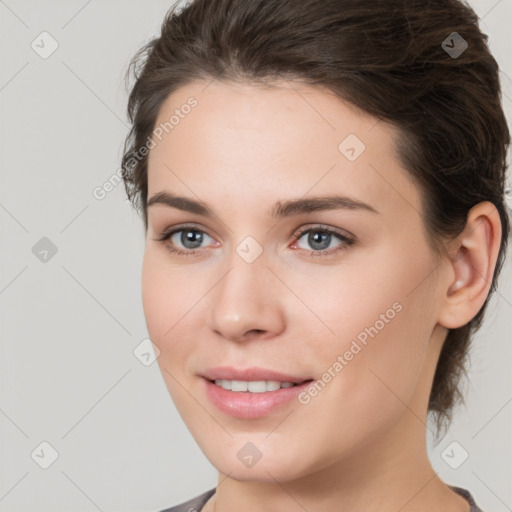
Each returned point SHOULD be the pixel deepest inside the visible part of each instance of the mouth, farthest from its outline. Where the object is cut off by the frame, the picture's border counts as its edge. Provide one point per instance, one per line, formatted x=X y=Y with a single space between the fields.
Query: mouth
x=252 y=393
x=255 y=386
x=223 y=375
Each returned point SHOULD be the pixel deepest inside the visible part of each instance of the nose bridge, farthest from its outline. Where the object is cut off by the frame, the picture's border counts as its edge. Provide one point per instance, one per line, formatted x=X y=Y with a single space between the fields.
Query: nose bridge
x=244 y=299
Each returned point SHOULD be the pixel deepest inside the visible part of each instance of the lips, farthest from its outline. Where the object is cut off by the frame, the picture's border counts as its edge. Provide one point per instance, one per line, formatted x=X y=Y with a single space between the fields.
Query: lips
x=251 y=374
x=249 y=405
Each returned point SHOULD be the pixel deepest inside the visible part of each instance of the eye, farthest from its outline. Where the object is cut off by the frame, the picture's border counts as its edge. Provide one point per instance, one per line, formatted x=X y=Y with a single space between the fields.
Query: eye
x=320 y=238
x=189 y=237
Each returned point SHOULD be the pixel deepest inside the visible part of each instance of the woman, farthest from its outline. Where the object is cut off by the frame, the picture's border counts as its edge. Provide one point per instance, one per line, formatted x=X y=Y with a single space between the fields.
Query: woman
x=322 y=190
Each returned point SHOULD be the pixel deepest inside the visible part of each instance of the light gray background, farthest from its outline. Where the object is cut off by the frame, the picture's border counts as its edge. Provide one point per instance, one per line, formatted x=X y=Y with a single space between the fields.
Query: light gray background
x=69 y=326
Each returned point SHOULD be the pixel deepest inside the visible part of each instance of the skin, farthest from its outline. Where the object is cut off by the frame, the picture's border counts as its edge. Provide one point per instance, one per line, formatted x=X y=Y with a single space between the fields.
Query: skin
x=360 y=444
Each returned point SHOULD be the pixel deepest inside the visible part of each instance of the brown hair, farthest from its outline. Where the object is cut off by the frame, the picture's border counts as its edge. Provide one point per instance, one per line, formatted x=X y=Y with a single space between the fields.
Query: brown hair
x=393 y=59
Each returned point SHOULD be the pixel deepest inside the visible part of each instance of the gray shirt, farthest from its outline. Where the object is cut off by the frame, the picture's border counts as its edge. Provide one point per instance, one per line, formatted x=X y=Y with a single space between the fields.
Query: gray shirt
x=197 y=503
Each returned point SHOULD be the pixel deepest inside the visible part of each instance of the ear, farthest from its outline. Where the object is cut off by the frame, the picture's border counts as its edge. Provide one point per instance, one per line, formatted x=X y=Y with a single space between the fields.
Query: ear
x=472 y=260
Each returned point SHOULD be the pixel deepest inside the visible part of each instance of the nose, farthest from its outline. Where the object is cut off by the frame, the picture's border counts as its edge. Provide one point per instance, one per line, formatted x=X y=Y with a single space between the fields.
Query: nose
x=245 y=304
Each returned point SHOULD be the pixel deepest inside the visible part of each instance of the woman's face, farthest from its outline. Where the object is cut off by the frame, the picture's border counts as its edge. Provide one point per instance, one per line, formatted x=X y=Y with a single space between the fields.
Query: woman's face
x=263 y=286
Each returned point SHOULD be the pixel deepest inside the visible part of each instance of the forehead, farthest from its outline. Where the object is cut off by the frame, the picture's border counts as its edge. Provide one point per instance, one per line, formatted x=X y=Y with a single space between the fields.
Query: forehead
x=265 y=143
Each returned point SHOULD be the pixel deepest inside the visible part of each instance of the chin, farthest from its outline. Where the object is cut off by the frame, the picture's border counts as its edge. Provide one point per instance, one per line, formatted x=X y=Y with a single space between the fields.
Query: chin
x=271 y=461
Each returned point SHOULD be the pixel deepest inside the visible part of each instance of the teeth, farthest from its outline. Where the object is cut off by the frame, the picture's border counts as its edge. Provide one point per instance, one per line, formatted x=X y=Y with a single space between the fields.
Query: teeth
x=256 y=386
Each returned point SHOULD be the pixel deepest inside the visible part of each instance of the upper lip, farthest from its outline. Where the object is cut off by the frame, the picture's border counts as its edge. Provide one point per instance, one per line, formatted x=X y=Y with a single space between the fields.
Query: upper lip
x=250 y=374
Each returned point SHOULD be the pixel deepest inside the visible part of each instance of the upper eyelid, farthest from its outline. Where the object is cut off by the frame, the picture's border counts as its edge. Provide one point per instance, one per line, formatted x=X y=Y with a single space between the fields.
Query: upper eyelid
x=176 y=229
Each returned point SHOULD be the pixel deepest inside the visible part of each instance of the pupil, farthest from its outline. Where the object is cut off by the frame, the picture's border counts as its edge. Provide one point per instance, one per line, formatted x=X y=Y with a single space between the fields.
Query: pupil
x=324 y=237
x=189 y=237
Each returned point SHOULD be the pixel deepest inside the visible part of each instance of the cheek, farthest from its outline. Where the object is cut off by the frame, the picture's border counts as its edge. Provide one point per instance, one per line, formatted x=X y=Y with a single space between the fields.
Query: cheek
x=167 y=290
x=171 y=302
x=164 y=306
x=375 y=320
x=152 y=291
x=163 y=297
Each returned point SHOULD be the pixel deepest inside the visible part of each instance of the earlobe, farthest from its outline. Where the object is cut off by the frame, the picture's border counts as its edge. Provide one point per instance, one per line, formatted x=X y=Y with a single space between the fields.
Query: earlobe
x=472 y=268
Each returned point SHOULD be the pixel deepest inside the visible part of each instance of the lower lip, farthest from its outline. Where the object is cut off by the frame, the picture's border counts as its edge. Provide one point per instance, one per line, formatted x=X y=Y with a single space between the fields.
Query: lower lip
x=246 y=405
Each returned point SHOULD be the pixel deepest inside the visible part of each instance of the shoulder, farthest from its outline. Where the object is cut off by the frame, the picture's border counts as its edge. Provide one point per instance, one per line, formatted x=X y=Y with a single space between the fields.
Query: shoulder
x=197 y=503
x=193 y=505
x=467 y=496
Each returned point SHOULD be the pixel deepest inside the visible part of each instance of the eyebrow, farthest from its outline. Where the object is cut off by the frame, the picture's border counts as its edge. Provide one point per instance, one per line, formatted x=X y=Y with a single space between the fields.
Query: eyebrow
x=280 y=210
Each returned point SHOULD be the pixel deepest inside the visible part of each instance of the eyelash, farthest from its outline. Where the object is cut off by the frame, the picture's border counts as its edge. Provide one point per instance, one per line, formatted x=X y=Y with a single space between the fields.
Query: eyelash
x=320 y=228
